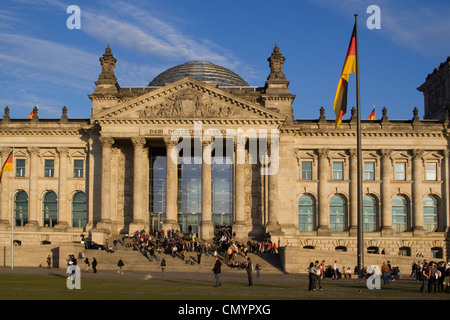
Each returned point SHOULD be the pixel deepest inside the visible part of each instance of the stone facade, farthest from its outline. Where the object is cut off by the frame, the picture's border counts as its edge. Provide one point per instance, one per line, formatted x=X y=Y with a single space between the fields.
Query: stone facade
x=99 y=168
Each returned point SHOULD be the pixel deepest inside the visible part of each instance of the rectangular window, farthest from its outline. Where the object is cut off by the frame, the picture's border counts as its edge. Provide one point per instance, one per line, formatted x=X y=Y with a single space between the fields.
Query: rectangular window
x=78 y=168
x=431 y=171
x=369 y=170
x=338 y=170
x=306 y=170
x=49 y=170
x=400 y=171
x=20 y=167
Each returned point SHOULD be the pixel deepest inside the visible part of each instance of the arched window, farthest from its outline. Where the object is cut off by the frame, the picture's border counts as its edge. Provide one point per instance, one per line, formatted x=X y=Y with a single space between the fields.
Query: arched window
x=21 y=209
x=399 y=214
x=79 y=210
x=337 y=213
x=430 y=214
x=369 y=214
x=306 y=212
x=50 y=212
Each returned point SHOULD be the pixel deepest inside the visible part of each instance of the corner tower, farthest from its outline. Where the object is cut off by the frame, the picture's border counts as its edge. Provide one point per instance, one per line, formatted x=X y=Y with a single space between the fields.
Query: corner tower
x=277 y=96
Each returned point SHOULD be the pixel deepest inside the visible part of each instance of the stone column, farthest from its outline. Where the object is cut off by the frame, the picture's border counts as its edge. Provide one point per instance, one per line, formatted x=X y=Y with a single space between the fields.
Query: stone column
x=171 y=185
x=239 y=225
x=90 y=177
x=138 y=185
x=273 y=226
x=105 y=222
x=386 y=202
x=353 y=192
x=324 y=214
x=207 y=230
x=417 y=204
x=33 y=197
x=64 y=213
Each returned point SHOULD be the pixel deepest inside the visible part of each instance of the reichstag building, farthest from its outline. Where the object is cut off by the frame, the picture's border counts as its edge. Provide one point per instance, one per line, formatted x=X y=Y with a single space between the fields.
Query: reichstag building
x=199 y=147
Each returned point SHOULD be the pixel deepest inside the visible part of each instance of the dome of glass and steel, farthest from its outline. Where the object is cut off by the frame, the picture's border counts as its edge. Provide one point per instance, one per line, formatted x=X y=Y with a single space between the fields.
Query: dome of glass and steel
x=201 y=71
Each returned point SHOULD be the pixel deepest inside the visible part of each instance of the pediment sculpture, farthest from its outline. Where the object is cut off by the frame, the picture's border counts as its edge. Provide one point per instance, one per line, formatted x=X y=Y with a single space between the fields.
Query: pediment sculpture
x=189 y=103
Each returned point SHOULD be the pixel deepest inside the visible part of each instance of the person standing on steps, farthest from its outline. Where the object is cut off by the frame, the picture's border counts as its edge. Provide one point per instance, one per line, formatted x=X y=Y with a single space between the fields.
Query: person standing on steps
x=94 y=265
x=249 y=269
x=258 y=268
x=217 y=270
x=120 y=264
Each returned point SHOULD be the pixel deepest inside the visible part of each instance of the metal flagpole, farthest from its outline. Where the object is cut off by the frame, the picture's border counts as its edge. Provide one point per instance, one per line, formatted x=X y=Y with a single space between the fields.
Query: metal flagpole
x=12 y=213
x=360 y=160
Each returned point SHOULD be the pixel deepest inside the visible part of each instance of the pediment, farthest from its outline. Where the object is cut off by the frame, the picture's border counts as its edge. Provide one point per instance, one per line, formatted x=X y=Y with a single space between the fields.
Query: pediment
x=187 y=99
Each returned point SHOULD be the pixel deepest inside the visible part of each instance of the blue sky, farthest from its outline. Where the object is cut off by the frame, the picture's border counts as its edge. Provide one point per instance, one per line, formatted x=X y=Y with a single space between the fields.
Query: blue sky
x=44 y=63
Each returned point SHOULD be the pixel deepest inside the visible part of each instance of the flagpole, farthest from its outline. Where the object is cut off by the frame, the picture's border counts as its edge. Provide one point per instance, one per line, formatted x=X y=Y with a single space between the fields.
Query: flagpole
x=12 y=214
x=360 y=239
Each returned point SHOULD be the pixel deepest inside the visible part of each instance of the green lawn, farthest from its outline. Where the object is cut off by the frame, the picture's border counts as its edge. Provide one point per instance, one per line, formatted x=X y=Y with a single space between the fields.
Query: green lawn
x=108 y=285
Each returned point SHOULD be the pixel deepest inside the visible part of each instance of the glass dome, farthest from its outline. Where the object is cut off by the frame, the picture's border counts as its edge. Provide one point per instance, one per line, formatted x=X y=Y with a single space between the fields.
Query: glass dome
x=201 y=71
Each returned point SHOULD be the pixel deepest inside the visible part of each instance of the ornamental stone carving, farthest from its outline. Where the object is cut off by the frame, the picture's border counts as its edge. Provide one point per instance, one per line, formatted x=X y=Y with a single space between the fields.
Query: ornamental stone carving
x=138 y=141
x=189 y=103
x=106 y=141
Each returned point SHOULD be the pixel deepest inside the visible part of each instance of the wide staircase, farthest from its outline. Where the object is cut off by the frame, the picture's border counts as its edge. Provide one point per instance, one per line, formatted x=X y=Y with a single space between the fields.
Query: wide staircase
x=135 y=260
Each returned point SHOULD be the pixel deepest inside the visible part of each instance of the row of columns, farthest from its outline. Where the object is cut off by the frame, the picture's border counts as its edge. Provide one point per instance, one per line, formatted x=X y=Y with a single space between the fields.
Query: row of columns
x=171 y=222
x=385 y=191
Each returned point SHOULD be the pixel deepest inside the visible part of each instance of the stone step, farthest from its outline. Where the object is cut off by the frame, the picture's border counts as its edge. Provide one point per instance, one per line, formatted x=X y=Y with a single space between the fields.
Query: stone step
x=135 y=260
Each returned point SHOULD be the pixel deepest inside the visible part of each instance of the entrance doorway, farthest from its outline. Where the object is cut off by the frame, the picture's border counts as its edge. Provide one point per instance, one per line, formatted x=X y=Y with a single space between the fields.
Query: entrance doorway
x=189 y=219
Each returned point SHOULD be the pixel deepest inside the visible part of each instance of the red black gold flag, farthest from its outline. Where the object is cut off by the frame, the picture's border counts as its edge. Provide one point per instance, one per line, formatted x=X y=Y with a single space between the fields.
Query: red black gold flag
x=372 y=115
x=340 y=100
x=7 y=166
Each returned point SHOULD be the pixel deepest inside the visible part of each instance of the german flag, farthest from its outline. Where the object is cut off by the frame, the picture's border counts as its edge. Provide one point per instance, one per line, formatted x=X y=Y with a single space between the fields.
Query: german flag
x=7 y=166
x=32 y=113
x=372 y=115
x=340 y=100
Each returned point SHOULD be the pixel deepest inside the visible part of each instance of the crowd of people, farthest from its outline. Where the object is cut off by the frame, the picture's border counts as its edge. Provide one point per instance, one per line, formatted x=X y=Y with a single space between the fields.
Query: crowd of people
x=317 y=272
x=189 y=248
x=170 y=242
x=434 y=275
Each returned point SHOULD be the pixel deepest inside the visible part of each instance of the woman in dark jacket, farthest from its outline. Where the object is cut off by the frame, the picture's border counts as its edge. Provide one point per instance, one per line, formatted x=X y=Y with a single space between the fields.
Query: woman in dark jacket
x=311 y=277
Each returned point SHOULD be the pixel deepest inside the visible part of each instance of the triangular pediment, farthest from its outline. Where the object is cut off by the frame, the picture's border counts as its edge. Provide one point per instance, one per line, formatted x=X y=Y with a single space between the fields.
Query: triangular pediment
x=187 y=99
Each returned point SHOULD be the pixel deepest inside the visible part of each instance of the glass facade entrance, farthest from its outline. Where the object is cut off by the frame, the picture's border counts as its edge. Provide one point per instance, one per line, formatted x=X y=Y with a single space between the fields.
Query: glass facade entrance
x=222 y=192
x=190 y=192
x=157 y=190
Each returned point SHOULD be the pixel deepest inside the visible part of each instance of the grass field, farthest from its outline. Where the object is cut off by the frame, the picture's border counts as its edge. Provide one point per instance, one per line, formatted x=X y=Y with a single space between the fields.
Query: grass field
x=44 y=284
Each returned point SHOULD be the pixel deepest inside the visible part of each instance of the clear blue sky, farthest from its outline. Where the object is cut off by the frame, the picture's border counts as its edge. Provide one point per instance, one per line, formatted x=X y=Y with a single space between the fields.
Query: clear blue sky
x=44 y=63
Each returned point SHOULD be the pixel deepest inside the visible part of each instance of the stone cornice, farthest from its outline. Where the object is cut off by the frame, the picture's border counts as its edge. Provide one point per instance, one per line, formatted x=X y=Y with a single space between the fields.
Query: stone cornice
x=323 y=133
x=25 y=132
